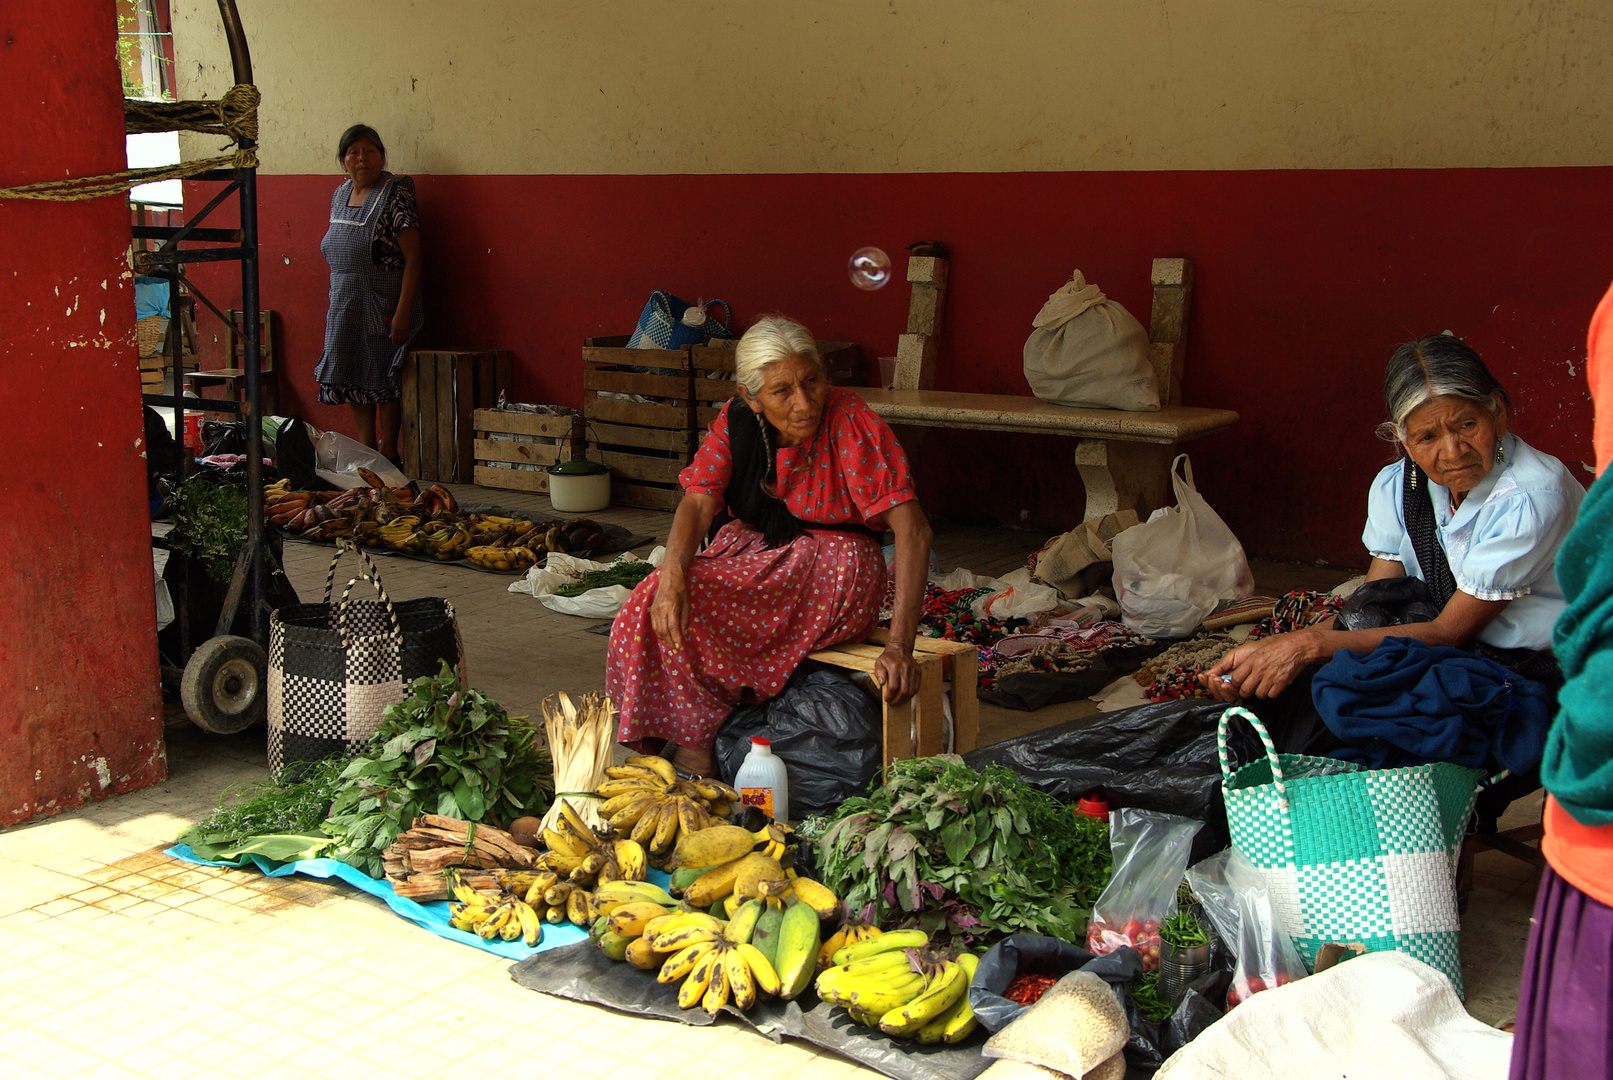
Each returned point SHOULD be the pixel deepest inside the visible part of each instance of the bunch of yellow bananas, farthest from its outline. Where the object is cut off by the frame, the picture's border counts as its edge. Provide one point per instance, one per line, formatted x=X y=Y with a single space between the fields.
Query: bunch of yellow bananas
x=504 y=559
x=645 y=799
x=849 y=934
x=922 y=995
x=490 y=916
x=583 y=858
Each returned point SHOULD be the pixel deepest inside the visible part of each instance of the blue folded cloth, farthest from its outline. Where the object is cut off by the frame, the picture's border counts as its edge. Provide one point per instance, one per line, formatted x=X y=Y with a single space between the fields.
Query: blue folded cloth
x=1406 y=703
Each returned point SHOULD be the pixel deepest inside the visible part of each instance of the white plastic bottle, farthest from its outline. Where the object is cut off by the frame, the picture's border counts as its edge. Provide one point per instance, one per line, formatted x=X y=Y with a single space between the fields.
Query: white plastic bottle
x=762 y=781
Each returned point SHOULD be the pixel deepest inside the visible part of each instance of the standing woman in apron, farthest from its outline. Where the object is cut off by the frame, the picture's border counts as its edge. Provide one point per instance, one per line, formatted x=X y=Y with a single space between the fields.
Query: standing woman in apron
x=373 y=248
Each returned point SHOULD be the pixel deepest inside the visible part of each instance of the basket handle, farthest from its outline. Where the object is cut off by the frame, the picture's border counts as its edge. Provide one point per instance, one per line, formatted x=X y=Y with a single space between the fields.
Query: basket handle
x=1224 y=752
x=727 y=313
x=342 y=548
x=341 y=612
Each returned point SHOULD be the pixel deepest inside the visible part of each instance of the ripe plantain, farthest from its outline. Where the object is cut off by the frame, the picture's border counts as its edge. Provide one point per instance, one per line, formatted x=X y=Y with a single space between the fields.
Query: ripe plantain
x=715 y=846
x=741 y=983
x=761 y=969
x=682 y=962
x=717 y=991
x=699 y=978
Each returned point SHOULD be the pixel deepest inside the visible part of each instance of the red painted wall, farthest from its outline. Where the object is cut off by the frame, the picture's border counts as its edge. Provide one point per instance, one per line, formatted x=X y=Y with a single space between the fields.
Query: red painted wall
x=1306 y=281
x=80 y=707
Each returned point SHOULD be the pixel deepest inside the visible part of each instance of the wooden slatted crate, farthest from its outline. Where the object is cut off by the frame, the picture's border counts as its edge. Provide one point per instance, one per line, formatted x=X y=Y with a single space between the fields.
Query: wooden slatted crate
x=917 y=729
x=537 y=440
x=441 y=389
x=646 y=444
x=713 y=367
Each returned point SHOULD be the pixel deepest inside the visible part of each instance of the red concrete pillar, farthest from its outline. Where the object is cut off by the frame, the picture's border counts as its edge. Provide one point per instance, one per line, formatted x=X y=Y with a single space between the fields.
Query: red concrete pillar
x=80 y=705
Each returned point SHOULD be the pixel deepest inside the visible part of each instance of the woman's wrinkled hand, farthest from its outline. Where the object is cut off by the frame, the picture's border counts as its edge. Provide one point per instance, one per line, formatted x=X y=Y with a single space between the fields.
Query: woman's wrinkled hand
x=1262 y=669
x=669 y=612
x=897 y=674
x=399 y=331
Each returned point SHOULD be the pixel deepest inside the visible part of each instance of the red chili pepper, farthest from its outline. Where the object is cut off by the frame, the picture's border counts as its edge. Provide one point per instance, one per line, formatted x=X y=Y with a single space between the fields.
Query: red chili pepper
x=1026 y=989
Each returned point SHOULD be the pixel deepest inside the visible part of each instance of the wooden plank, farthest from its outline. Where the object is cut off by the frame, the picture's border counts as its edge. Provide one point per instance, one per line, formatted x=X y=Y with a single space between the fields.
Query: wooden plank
x=523 y=453
x=511 y=479
x=447 y=450
x=840 y=359
x=655 y=358
x=409 y=425
x=715 y=389
x=965 y=700
x=711 y=358
x=464 y=378
x=533 y=424
x=630 y=494
x=486 y=381
x=614 y=410
x=703 y=418
x=610 y=341
x=1014 y=412
x=898 y=734
x=629 y=382
x=650 y=438
x=633 y=467
x=932 y=719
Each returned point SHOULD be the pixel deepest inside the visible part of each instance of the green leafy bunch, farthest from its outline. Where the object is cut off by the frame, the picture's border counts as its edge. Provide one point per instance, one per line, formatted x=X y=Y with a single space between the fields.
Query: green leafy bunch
x=292 y=804
x=209 y=524
x=974 y=855
x=447 y=749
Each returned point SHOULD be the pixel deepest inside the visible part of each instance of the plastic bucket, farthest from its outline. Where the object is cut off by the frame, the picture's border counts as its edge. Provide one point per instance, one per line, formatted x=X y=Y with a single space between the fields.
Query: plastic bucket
x=579 y=487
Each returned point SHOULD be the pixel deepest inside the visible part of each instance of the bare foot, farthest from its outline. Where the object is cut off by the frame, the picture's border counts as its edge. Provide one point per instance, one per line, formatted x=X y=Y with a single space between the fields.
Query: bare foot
x=698 y=762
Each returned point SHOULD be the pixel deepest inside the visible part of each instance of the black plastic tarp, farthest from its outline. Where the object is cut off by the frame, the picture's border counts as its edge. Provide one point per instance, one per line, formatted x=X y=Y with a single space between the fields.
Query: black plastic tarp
x=1154 y=757
x=583 y=973
x=826 y=730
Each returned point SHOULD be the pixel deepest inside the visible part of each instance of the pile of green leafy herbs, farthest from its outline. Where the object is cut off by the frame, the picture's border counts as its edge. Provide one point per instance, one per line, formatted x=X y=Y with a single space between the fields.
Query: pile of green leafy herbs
x=623 y=570
x=209 y=524
x=279 y=817
x=447 y=749
x=974 y=856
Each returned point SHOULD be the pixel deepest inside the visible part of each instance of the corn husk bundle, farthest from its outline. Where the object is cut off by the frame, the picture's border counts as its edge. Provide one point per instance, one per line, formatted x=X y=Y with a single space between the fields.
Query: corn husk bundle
x=581 y=739
x=415 y=862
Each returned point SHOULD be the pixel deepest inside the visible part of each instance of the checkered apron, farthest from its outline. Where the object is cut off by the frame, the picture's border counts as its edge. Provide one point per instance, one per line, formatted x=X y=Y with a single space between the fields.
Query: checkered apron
x=1358 y=855
x=334 y=669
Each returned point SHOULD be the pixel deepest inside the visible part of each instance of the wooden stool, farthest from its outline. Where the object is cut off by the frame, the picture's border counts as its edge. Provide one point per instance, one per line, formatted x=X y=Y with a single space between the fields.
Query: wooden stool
x=916 y=729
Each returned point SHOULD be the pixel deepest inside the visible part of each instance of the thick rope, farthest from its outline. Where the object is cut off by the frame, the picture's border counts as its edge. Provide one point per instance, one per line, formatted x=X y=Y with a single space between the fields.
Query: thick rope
x=235 y=115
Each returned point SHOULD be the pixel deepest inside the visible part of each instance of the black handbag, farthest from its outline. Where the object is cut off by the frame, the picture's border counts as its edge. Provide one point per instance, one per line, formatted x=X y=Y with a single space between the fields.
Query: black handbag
x=335 y=668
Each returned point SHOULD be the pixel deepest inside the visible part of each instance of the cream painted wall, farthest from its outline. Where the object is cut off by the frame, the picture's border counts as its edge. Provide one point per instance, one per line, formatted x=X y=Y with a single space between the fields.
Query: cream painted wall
x=702 y=86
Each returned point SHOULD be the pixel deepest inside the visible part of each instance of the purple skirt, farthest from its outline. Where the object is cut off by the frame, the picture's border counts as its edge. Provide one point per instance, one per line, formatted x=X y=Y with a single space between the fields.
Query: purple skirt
x=1565 y=1003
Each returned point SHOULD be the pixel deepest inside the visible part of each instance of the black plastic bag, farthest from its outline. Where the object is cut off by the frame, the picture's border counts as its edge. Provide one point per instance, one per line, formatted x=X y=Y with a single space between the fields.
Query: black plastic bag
x=223 y=437
x=1160 y=756
x=294 y=456
x=1153 y=1041
x=1032 y=954
x=582 y=973
x=1393 y=601
x=826 y=730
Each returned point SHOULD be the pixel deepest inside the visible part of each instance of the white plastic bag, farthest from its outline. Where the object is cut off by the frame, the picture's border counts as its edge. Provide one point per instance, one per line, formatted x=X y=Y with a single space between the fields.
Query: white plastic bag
x=337 y=460
x=1016 y=597
x=561 y=569
x=1173 y=569
x=1088 y=351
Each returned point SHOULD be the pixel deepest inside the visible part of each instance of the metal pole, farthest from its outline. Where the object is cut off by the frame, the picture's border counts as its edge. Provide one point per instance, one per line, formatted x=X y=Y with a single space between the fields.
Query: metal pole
x=241 y=60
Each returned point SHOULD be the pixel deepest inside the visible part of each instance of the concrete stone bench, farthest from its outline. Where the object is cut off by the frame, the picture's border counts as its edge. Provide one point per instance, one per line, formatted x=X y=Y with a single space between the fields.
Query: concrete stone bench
x=1124 y=457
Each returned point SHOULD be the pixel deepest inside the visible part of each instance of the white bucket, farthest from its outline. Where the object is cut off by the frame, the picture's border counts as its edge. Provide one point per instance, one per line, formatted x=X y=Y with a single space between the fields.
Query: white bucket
x=573 y=490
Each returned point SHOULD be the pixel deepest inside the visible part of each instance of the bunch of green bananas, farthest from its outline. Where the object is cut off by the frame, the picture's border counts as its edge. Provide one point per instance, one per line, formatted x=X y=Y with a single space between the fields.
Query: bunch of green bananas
x=907 y=995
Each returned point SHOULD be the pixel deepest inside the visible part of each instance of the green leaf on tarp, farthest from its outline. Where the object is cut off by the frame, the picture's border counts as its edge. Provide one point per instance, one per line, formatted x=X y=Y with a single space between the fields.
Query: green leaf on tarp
x=281 y=847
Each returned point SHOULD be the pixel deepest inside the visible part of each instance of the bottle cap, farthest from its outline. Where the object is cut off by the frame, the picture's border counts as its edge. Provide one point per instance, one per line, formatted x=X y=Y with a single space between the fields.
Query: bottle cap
x=1095 y=807
x=759 y=740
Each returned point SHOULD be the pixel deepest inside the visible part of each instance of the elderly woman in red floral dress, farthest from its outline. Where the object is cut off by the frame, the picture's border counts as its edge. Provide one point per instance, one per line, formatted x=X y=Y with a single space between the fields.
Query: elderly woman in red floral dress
x=803 y=478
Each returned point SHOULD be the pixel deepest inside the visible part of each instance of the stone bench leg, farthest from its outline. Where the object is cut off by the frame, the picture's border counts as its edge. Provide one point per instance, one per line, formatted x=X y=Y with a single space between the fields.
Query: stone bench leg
x=1124 y=476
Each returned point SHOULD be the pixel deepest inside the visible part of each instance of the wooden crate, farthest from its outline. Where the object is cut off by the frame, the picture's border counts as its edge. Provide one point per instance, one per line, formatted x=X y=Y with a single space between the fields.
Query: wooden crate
x=495 y=456
x=441 y=389
x=646 y=444
x=917 y=729
x=714 y=384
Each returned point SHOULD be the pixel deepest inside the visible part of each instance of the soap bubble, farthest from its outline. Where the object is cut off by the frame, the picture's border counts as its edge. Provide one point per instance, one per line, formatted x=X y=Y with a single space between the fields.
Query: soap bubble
x=870 y=268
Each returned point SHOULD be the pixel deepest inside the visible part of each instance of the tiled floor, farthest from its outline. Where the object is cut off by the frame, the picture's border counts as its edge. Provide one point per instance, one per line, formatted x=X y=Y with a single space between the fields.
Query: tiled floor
x=120 y=962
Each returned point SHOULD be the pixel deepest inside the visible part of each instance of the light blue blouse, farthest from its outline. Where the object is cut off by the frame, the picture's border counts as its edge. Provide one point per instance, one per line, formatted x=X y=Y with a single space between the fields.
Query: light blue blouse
x=1501 y=542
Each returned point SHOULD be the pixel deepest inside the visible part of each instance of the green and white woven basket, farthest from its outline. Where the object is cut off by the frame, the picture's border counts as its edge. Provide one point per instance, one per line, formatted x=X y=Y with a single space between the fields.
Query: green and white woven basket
x=1360 y=855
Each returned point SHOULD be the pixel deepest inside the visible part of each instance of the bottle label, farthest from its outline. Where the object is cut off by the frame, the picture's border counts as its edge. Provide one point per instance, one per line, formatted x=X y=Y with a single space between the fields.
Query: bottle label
x=759 y=797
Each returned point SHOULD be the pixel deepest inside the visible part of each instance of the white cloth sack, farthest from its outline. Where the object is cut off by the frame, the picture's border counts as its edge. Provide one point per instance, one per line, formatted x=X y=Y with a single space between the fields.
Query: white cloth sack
x=1088 y=351
x=337 y=460
x=560 y=570
x=1173 y=569
x=1384 y=1015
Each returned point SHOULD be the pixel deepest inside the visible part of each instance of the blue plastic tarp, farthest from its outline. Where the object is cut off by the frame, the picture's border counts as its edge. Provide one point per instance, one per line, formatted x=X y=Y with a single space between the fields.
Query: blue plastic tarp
x=432 y=915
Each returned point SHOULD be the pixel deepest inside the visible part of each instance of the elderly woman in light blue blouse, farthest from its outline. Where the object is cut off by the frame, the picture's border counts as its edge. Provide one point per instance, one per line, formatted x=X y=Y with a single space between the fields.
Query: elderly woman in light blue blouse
x=1472 y=510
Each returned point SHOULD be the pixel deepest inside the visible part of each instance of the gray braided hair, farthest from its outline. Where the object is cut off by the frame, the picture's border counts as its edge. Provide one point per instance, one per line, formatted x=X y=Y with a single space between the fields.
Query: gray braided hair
x=1438 y=366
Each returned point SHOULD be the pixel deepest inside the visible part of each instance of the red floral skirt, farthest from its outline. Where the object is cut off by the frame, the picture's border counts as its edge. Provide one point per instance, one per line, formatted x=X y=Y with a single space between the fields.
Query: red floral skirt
x=754 y=615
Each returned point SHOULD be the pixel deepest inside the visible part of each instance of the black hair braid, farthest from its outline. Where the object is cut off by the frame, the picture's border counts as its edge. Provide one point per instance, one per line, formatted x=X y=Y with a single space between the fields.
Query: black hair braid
x=768 y=483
